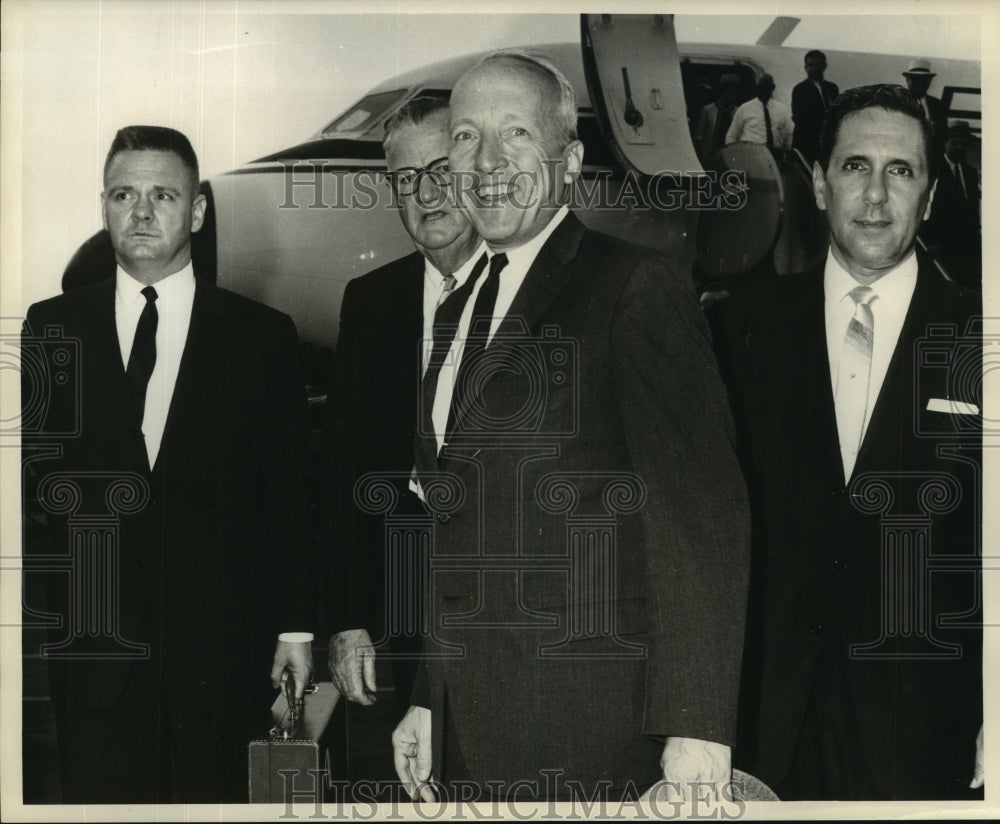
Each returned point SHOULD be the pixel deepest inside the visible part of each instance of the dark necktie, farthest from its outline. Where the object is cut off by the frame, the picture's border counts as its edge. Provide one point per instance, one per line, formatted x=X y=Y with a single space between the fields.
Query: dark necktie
x=142 y=358
x=446 y=319
x=475 y=342
x=767 y=126
x=722 y=123
x=961 y=180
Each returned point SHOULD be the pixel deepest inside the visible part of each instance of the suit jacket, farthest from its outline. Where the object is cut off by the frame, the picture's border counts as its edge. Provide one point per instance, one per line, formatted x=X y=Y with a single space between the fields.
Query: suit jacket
x=372 y=410
x=589 y=560
x=954 y=224
x=808 y=112
x=822 y=591
x=707 y=124
x=208 y=549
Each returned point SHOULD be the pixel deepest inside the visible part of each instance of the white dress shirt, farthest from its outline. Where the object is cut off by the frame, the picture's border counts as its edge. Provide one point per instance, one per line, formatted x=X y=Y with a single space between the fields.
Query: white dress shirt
x=175 y=297
x=434 y=294
x=519 y=261
x=894 y=291
x=748 y=124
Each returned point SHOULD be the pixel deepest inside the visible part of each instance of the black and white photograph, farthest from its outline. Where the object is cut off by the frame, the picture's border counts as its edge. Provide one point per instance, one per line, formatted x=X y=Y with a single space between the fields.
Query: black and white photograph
x=526 y=410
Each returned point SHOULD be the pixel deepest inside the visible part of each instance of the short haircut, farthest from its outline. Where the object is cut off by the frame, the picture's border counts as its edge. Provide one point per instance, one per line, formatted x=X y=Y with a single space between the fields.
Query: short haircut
x=412 y=113
x=887 y=96
x=155 y=139
x=814 y=53
x=565 y=113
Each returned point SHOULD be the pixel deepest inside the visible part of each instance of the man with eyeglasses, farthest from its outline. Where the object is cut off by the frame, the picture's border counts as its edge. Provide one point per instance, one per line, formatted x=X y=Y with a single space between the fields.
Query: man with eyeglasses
x=385 y=316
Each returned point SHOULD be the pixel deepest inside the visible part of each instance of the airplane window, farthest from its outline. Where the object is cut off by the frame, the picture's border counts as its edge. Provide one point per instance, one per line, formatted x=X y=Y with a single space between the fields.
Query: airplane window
x=363 y=114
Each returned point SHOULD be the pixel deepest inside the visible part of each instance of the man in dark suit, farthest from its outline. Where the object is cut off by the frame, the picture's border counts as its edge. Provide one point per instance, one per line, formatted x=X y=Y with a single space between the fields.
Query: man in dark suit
x=810 y=100
x=714 y=118
x=171 y=476
x=953 y=231
x=918 y=80
x=856 y=390
x=385 y=315
x=588 y=599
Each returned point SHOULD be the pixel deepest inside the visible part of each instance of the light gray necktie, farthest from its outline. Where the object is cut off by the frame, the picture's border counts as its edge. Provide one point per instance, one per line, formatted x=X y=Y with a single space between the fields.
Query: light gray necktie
x=448 y=283
x=447 y=286
x=851 y=399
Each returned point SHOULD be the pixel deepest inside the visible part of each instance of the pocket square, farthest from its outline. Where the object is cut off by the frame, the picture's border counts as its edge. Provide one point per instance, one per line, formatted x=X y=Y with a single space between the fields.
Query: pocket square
x=950 y=407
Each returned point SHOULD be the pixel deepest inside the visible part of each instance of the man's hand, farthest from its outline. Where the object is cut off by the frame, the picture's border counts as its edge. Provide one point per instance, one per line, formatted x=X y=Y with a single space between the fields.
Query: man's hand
x=352 y=665
x=411 y=753
x=292 y=659
x=979 y=776
x=695 y=768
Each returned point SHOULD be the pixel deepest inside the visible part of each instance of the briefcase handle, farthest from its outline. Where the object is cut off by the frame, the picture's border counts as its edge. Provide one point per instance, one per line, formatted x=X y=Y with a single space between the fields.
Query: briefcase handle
x=288 y=727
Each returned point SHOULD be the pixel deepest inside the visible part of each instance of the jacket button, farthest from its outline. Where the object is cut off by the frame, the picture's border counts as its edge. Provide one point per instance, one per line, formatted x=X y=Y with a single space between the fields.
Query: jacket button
x=140 y=566
x=839 y=492
x=443 y=517
x=816 y=629
x=840 y=563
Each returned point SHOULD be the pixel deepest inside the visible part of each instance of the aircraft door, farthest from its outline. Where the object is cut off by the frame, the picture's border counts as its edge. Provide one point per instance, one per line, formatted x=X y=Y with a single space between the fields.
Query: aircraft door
x=634 y=79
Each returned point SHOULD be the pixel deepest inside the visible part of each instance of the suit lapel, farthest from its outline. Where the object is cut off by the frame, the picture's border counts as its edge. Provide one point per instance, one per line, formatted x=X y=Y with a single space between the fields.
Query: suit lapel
x=894 y=405
x=410 y=305
x=104 y=374
x=201 y=353
x=819 y=395
x=546 y=277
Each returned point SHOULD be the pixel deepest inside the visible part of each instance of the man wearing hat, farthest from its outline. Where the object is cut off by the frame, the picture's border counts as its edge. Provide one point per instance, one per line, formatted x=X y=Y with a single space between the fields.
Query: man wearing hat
x=763 y=120
x=953 y=228
x=918 y=81
x=715 y=118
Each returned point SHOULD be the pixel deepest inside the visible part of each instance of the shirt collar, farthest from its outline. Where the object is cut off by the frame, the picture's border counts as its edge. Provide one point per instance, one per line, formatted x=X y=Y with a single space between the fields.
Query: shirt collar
x=128 y=289
x=524 y=255
x=838 y=282
x=460 y=274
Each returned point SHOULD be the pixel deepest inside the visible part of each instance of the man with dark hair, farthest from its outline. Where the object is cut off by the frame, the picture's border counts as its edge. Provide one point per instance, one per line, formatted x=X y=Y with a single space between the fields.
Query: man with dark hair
x=378 y=363
x=860 y=441
x=172 y=480
x=587 y=604
x=763 y=119
x=810 y=100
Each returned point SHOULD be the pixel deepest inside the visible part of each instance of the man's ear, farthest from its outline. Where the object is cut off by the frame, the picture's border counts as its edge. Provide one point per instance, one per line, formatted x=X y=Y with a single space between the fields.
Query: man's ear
x=819 y=185
x=198 y=212
x=930 y=200
x=572 y=161
x=104 y=216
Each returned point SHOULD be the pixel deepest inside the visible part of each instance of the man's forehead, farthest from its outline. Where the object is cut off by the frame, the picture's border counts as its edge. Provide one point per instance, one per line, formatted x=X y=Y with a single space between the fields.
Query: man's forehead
x=499 y=72
x=144 y=162
x=875 y=132
x=415 y=144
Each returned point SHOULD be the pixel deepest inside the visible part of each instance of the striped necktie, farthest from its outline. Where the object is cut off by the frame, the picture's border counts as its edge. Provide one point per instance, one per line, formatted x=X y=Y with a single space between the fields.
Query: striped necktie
x=446 y=319
x=851 y=399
